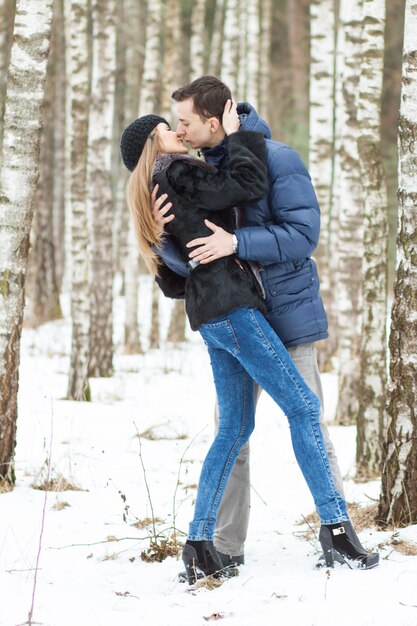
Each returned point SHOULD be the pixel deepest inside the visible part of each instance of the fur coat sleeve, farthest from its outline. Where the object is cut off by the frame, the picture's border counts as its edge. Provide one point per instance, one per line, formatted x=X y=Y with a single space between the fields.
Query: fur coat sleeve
x=171 y=284
x=211 y=189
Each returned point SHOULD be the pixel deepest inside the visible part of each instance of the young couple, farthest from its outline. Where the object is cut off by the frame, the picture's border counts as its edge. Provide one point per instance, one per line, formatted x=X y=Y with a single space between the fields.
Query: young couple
x=233 y=235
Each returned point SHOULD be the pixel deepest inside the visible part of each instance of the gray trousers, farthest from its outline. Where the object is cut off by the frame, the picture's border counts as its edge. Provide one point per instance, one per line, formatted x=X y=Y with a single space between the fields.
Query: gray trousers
x=233 y=516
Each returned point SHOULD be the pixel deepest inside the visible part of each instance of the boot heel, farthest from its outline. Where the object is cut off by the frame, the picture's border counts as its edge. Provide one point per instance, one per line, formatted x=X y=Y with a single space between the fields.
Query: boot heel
x=341 y=543
x=190 y=560
x=328 y=556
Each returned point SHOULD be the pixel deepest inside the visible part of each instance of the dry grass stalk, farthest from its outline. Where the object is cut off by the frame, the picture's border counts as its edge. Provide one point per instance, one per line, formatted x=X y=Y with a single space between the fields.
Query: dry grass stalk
x=56 y=483
x=58 y=506
x=408 y=548
x=209 y=582
x=152 y=434
x=147 y=521
x=159 y=551
x=110 y=557
x=362 y=518
x=5 y=486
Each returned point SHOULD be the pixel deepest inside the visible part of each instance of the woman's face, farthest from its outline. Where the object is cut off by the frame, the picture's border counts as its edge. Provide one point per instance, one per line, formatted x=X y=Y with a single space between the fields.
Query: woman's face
x=169 y=142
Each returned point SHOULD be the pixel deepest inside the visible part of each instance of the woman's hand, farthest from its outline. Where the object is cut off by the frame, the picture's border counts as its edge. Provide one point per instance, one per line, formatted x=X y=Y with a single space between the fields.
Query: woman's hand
x=159 y=208
x=230 y=119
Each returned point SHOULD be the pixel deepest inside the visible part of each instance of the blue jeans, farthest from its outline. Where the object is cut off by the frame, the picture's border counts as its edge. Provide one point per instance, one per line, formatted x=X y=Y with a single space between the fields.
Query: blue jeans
x=243 y=347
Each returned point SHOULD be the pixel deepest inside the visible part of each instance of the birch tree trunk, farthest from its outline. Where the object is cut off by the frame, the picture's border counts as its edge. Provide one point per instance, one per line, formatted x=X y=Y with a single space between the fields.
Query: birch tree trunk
x=216 y=47
x=230 y=53
x=373 y=354
x=265 y=57
x=42 y=294
x=330 y=347
x=60 y=141
x=171 y=76
x=119 y=118
x=150 y=103
x=154 y=334
x=298 y=37
x=176 y=330
x=197 y=41
x=251 y=53
x=398 y=501
x=321 y=145
x=18 y=177
x=129 y=255
x=7 y=12
x=150 y=92
x=132 y=342
x=278 y=93
x=350 y=240
x=172 y=60
x=100 y=199
x=79 y=80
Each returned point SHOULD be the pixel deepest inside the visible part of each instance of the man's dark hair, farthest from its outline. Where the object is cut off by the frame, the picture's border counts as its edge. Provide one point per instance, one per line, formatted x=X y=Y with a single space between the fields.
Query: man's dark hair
x=209 y=95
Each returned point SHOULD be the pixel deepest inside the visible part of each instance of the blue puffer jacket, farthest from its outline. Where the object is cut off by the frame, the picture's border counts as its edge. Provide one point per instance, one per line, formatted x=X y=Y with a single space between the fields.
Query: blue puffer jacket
x=281 y=232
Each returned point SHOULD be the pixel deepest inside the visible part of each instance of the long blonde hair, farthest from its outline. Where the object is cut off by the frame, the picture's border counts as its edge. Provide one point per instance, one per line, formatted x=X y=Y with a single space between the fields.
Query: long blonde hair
x=138 y=194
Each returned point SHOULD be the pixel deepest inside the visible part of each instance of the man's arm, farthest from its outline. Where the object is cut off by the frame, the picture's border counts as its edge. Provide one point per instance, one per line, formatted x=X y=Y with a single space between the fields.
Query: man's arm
x=294 y=209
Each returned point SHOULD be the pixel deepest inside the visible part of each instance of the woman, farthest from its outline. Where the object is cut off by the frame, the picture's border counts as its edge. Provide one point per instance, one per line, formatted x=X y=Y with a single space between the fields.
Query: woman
x=224 y=302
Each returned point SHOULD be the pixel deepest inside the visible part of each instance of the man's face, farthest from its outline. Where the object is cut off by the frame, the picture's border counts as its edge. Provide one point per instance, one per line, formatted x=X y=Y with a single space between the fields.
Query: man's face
x=193 y=129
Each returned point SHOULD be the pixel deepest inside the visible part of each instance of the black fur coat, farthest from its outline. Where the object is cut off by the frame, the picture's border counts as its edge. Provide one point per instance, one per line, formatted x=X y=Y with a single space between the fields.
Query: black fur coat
x=198 y=191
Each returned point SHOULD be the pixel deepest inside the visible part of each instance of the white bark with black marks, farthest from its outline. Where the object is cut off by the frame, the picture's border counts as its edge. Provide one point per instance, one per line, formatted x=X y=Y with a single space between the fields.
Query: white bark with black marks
x=398 y=503
x=373 y=352
x=79 y=268
x=18 y=178
x=350 y=221
x=100 y=201
x=321 y=146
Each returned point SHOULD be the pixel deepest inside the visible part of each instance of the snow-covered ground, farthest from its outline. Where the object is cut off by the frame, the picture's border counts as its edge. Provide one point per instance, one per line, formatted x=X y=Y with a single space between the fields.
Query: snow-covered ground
x=90 y=571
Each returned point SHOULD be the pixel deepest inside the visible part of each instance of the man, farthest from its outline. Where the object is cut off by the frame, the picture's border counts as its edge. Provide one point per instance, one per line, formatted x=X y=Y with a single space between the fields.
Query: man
x=277 y=234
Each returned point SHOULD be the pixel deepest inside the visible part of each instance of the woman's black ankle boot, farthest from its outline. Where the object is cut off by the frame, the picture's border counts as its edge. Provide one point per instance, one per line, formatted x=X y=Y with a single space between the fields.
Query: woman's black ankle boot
x=201 y=555
x=340 y=540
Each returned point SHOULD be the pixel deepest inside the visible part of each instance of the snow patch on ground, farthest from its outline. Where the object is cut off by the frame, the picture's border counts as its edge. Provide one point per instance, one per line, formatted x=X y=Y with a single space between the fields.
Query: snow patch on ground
x=90 y=567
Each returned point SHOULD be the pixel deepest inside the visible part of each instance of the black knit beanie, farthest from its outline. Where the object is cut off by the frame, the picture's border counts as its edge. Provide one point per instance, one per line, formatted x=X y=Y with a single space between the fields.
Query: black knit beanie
x=134 y=138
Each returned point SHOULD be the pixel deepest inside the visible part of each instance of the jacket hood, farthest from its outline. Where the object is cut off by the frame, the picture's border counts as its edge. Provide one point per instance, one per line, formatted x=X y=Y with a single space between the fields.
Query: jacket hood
x=250 y=120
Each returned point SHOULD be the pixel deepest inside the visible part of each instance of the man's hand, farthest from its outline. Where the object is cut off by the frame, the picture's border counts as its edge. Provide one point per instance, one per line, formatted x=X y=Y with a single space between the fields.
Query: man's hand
x=213 y=247
x=160 y=209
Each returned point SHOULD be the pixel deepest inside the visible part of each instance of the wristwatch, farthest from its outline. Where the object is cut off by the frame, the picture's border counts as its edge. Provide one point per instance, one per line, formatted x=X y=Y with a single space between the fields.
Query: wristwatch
x=235 y=244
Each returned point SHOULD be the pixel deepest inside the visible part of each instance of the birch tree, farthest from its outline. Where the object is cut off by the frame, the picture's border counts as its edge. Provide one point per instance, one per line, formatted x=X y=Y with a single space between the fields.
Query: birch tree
x=7 y=11
x=265 y=14
x=230 y=47
x=172 y=58
x=322 y=65
x=277 y=82
x=100 y=199
x=177 y=324
x=298 y=35
x=398 y=501
x=251 y=53
x=60 y=143
x=150 y=103
x=78 y=46
x=154 y=334
x=216 y=48
x=350 y=227
x=373 y=354
x=18 y=176
x=197 y=40
x=128 y=249
x=42 y=293
x=150 y=91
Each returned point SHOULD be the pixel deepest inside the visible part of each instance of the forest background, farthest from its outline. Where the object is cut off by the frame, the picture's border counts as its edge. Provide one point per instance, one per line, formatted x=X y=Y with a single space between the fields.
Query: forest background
x=325 y=75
